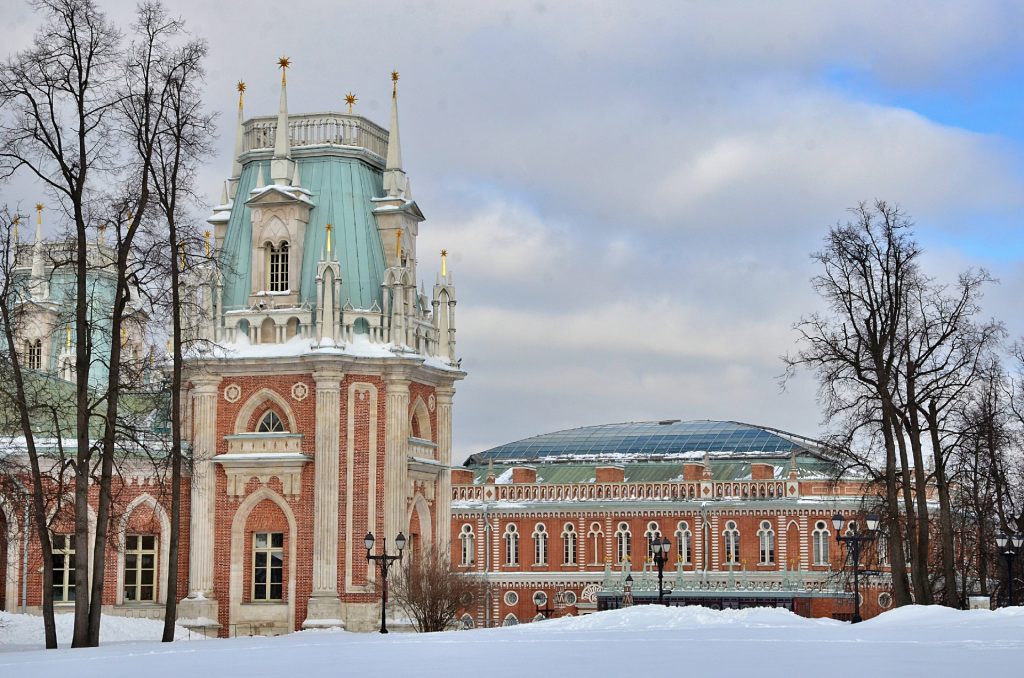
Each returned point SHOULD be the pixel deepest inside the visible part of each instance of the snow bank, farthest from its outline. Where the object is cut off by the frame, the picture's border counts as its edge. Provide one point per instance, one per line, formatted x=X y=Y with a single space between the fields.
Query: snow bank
x=25 y=631
x=655 y=618
x=767 y=643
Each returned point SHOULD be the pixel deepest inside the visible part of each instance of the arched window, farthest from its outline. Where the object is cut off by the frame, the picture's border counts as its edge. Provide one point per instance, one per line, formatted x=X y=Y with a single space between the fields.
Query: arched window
x=468 y=622
x=468 y=544
x=882 y=549
x=684 y=543
x=540 y=544
x=766 y=537
x=653 y=532
x=623 y=542
x=820 y=541
x=511 y=545
x=277 y=267
x=510 y=620
x=569 y=544
x=595 y=536
x=34 y=354
x=271 y=423
x=732 y=543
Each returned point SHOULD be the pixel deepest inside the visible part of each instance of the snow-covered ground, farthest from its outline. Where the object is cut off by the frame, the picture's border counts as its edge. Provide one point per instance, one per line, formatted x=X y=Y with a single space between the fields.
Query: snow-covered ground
x=667 y=642
x=25 y=631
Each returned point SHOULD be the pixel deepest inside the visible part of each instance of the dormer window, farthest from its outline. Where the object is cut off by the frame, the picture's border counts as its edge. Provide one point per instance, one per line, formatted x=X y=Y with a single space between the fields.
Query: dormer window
x=277 y=267
x=271 y=423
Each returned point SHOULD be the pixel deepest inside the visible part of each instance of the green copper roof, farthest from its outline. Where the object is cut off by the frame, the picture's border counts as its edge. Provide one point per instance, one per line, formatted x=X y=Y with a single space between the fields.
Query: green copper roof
x=341 y=190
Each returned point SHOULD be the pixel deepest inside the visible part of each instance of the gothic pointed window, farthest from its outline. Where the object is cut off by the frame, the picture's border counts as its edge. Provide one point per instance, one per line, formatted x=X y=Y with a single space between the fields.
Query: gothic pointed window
x=468 y=544
x=596 y=537
x=271 y=423
x=511 y=545
x=569 y=544
x=684 y=542
x=766 y=537
x=732 y=543
x=540 y=544
x=820 y=539
x=623 y=542
x=277 y=267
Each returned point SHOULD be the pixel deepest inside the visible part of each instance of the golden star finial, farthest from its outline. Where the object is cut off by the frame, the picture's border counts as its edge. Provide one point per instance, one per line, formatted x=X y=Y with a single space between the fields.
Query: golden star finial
x=444 y=253
x=394 y=82
x=284 y=62
x=240 y=86
x=39 y=207
x=351 y=100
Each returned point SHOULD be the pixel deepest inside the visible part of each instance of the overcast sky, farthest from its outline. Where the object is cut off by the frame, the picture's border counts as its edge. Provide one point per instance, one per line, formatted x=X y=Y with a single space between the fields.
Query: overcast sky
x=630 y=192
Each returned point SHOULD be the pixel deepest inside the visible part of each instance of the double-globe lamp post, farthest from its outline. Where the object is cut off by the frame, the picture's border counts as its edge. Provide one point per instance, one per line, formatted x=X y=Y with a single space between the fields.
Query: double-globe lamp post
x=1010 y=545
x=384 y=561
x=660 y=546
x=854 y=541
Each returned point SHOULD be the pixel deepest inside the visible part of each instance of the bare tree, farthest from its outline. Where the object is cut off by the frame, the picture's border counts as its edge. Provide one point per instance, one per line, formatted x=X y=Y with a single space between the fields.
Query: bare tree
x=431 y=592
x=867 y=265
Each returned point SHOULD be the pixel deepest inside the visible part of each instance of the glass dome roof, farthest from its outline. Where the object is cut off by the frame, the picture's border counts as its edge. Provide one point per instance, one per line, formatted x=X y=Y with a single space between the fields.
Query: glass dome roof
x=670 y=439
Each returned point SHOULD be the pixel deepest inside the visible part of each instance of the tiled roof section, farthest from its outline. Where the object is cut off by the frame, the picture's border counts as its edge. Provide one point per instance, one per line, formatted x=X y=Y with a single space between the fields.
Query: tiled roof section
x=651 y=440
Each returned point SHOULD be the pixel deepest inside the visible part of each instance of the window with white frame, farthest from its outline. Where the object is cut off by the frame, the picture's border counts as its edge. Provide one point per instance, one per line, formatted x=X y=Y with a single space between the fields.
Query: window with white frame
x=140 y=568
x=511 y=545
x=732 y=543
x=277 y=267
x=766 y=538
x=268 y=566
x=468 y=544
x=820 y=541
x=34 y=354
x=63 y=568
x=684 y=543
x=653 y=532
x=595 y=536
x=569 y=544
x=510 y=620
x=882 y=549
x=271 y=423
x=540 y=544
x=623 y=542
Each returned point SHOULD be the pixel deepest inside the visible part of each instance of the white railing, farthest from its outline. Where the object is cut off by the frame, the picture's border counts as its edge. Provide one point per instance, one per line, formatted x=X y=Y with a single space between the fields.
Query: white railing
x=317 y=129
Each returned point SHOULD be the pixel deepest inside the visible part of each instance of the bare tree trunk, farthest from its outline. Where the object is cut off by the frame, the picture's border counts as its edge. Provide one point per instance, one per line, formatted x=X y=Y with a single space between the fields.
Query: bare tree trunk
x=946 y=536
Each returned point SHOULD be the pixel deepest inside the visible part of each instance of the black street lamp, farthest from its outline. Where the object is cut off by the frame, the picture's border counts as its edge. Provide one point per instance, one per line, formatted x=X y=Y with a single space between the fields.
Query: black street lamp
x=1010 y=545
x=853 y=543
x=540 y=601
x=385 y=562
x=660 y=548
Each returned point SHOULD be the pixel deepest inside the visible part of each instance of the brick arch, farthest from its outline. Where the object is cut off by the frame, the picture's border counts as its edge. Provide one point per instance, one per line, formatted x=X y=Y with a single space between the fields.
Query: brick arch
x=133 y=515
x=239 y=538
x=420 y=523
x=258 y=404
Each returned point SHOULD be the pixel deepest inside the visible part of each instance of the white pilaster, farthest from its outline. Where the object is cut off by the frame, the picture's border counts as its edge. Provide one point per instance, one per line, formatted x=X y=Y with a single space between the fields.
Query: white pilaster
x=324 y=605
x=200 y=603
x=396 y=435
x=443 y=495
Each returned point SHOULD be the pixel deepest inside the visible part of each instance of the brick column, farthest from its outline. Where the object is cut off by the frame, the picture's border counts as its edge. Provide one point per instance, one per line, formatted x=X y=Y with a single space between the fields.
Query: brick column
x=324 y=605
x=443 y=496
x=200 y=605
x=396 y=435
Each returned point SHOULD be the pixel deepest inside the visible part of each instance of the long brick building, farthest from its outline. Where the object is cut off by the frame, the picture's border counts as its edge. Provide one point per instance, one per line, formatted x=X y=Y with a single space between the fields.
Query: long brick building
x=570 y=515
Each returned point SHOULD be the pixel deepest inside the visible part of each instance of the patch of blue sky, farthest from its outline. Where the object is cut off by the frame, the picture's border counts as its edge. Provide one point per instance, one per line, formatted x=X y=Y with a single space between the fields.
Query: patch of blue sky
x=990 y=102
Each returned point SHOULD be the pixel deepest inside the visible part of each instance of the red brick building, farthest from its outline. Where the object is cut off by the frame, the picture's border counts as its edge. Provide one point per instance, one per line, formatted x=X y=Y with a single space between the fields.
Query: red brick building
x=571 y=514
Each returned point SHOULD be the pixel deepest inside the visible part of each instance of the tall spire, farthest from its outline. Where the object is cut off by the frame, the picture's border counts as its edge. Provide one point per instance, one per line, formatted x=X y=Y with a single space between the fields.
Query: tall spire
x=38 y=285
x=236 y=166
x=396 y=184
x=282 y=166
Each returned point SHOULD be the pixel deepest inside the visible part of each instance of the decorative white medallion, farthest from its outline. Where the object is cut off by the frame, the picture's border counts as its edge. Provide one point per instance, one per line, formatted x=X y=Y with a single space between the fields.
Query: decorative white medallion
x=300 y=390
x=431 y=402
x=232 y=393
